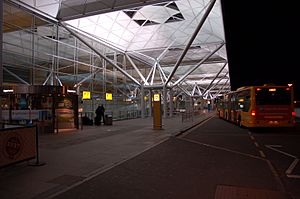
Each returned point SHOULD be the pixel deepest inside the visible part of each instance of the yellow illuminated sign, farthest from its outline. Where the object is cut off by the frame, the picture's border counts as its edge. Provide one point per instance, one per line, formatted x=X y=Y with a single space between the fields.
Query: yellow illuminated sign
x=86 y=95
x=156 y=97
x=108 y=96
x=272 y=89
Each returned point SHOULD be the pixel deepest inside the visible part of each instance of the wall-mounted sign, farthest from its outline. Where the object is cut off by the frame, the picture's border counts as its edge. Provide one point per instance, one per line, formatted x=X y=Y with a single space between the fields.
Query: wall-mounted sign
x=86 y=95
x=156 y=97
x=108 y=96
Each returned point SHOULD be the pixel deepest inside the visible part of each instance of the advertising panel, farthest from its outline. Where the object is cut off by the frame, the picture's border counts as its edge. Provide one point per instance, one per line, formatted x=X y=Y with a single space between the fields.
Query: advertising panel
x=17 y=144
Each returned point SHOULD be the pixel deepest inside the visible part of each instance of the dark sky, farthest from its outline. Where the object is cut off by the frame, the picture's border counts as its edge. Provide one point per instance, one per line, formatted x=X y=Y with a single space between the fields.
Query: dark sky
x=263 y=41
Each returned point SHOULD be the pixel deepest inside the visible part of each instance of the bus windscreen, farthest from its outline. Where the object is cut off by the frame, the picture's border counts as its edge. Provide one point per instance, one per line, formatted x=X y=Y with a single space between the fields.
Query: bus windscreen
x=273 y=96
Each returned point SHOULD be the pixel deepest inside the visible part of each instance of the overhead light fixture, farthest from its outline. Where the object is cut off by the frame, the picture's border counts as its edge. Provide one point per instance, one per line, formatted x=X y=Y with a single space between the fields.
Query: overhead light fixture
x=71 y=91
x=8 y=90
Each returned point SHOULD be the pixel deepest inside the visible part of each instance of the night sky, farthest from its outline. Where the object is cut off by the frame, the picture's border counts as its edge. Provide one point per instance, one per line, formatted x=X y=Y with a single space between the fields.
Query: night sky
x=263 y=41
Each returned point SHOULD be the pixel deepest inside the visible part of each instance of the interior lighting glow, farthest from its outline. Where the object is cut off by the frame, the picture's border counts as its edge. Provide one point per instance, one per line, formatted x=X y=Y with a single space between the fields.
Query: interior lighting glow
x=253 y=112
x=71 y=91
x=8 y=90
x=258 y=89
x=108 y=96
x=86 y=95
x=272 y=89
x=156 y=97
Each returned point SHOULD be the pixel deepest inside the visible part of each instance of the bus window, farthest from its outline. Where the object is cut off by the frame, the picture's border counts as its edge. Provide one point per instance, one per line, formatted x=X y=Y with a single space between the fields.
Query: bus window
x=244 y=100
x=275 y=96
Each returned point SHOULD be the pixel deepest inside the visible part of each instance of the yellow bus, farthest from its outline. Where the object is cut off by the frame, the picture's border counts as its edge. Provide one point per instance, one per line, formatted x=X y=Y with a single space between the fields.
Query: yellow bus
x=259 y=106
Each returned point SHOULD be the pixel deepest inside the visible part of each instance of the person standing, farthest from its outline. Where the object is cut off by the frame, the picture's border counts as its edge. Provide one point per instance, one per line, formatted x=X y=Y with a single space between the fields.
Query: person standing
x=99 y=115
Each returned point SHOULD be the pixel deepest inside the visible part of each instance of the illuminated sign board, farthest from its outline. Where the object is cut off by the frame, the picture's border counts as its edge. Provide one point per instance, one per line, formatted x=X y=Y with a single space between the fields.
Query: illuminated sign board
x=86 y=95
x=156 y=97
x=108 y=96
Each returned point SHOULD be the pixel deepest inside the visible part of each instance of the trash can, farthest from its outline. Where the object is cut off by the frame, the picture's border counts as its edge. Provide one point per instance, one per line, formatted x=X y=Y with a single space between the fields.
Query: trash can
x=108 y=120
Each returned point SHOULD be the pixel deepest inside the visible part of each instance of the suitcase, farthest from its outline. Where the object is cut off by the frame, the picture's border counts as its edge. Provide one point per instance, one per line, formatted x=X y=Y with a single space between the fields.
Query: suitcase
x=108 y=120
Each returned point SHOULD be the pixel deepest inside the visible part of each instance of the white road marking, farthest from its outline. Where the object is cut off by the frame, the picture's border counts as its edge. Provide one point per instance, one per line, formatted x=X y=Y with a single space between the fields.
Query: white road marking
x=277 y=178
x=273 y=147
x=292 y=166
x=221 y=148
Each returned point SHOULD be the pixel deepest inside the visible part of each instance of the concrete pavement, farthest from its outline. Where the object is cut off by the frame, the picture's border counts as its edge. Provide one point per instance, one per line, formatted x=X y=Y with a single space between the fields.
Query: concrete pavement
x=72 y=157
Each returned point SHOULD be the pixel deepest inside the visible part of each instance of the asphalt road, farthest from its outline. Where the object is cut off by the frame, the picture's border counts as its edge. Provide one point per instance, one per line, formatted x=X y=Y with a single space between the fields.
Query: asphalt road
x=282 y=147
x=197 y=164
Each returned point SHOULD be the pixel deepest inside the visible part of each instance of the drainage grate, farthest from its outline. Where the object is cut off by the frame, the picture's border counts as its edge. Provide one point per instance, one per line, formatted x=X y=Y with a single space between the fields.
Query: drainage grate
x=231 y=192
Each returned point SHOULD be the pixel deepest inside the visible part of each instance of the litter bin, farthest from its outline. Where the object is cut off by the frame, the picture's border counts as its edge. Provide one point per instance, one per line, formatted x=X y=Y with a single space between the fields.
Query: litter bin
x=108 y=120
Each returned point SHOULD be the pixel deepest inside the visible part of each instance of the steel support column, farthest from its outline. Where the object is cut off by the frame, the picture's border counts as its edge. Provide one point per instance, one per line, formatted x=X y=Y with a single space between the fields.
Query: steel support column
x=208 y=87
x=142 y=102
x=136 y=69
x=171 y=105
x=211 y=5
x=150 y=103
x=201 y=62
x=165 y=101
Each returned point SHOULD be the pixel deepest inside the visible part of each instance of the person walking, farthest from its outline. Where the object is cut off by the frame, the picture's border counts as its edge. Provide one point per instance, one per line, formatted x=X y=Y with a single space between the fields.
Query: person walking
x=99 y=115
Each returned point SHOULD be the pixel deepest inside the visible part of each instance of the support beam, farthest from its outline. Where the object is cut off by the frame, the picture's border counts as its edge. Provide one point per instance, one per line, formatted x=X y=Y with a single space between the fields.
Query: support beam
x=47 y=79
x=171 y=103
x=136 y=69
x=214 y=78
x=20 y=4
x=150 y=103
x=165 y=51
x=59 y=82
x=16 y=76
x=100 y=54
x=221 y=89
x=153 y=73
x=165 y=101
x=211 y=5
x=142 y=102
x=162 y=72
x=217 y=82
x=201 y=62
x=86 y=78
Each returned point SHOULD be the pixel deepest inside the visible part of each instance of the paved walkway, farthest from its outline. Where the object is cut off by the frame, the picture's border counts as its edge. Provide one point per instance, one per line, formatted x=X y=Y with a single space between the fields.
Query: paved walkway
x=71 y=157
